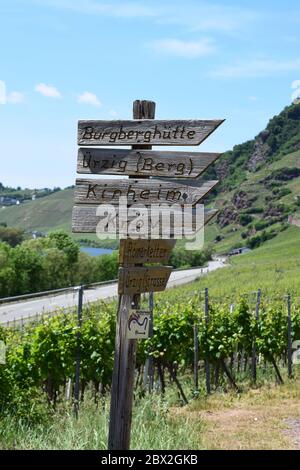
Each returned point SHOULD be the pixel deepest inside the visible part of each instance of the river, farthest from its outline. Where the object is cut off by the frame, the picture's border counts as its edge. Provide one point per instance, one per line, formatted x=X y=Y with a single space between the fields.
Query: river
x=96 y=251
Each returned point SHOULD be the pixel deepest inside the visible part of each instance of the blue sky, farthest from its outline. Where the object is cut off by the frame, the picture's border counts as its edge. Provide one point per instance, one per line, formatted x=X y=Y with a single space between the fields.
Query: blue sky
x=64 y=60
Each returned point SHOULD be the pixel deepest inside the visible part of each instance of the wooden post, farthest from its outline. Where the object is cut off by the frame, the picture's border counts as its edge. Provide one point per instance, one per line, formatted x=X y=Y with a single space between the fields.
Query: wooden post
x=254 y=358
x=77 y=369
x=289 y=345
x=149 y=366
x=125 y=350
x=196 y=358
x=206 y=361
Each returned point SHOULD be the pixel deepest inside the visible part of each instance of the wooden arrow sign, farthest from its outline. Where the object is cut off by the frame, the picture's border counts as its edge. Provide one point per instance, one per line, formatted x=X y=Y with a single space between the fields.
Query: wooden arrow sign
x=86 y=220
x=145 y=251
x=137 y=280
x=143 y=162
x=145 y=132
x=138 y=191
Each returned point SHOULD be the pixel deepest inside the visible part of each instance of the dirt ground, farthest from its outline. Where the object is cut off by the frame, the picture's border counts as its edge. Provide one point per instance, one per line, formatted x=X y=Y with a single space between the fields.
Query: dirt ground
x=265 y=418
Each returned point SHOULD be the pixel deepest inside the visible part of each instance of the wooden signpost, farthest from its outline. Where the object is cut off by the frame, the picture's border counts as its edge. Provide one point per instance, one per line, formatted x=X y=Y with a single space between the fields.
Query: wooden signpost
x=135 y=280
x=143 y=191
x=143 y=162
x=94 y=196
x=145 y=132
x=145 y=251
x=86 y=220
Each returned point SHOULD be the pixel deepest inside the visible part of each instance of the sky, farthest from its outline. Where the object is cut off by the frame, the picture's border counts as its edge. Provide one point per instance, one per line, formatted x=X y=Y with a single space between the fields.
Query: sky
x=65 y=60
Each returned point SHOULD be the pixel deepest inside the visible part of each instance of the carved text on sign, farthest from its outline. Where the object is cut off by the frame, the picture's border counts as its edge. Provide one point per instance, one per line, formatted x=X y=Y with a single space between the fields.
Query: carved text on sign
x=146 y=131
x=143 y=162
x=145 y=251
x=138 y=280
x=139 y=191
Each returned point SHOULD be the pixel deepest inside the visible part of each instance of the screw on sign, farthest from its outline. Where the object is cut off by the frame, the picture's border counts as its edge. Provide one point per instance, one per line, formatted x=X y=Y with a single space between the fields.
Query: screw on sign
x=139 y=163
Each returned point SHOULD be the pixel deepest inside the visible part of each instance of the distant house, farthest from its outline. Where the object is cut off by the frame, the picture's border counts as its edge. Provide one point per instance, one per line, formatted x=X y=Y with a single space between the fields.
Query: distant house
x=8 y=201
x=35 y=234
x=239 y=251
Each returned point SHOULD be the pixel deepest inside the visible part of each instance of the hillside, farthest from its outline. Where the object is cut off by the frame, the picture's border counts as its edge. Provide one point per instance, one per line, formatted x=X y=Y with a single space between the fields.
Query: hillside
x=273 y=267
x=260 y=208
x=259 y=189
x=259 y=185
x=45 y=214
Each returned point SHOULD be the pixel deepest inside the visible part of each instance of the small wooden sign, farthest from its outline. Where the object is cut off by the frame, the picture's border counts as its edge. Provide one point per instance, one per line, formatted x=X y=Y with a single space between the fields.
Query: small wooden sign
x=145 y=251
x=136 y=280
x=143 y=162
x=145 y=132
x=85 y=219
x=139 y=191
x=138 y=324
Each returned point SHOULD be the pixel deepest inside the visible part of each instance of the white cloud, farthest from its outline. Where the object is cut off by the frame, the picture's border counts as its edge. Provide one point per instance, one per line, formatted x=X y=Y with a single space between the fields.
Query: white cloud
x=253 y=98
x=89 y=98
x=113 y=113
x=256 y=68
x=94 y=7
x=47 y=90
x=208 y=16
x=187 y=49
x=295 y=84
x=15 y=97
x=199 y=15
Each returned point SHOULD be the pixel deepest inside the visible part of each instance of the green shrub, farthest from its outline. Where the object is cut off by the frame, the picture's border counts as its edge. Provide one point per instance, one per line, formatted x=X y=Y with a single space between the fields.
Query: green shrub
x=245 y=219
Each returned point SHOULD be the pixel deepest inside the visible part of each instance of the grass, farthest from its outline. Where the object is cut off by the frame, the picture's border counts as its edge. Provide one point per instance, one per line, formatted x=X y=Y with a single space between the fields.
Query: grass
x=267 y=418
x=274 y=267
x=153 y=427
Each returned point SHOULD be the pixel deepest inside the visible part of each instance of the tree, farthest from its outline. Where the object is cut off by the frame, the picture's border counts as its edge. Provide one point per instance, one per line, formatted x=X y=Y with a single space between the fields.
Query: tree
x=12 y=235
x=64 y=242
x=29 y=268
x=56 y=271
x=7 y=271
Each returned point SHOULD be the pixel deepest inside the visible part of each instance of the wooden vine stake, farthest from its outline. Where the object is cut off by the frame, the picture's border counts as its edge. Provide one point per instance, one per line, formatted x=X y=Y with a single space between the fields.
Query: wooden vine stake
x=206 y=360
x=254 y=356
x=125 y=349
x=289 y=338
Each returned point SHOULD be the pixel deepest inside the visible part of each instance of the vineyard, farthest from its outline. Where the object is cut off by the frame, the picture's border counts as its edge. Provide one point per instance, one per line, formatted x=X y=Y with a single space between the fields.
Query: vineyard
x=41 y=357
x=227 y=344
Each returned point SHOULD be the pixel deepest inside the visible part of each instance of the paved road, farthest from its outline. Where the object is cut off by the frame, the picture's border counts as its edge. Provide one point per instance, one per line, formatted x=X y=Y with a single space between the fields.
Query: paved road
x=31 y=307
